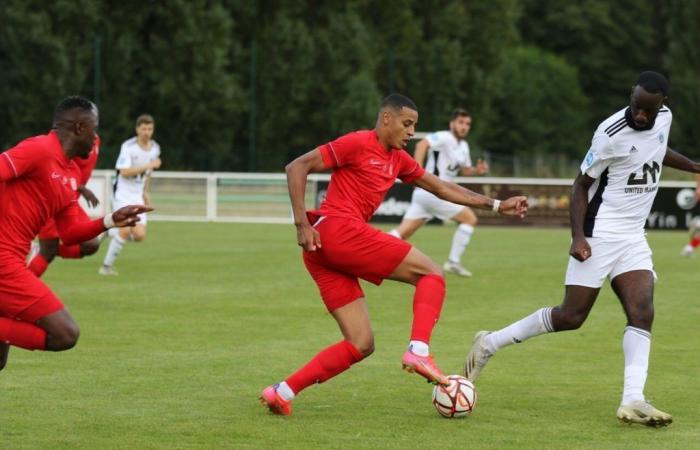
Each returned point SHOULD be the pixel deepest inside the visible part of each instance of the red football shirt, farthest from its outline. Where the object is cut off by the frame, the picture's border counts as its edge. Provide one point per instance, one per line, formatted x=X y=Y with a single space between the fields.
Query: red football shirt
x=363 y=172
x=37 y=182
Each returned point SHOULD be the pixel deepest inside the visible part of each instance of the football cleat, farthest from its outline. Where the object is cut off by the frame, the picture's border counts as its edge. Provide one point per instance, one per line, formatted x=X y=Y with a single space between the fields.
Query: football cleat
x=477 y=357
x=642 y=412
x=456 y=269
x=107 y=271
x=425 y=367
x=274 y=402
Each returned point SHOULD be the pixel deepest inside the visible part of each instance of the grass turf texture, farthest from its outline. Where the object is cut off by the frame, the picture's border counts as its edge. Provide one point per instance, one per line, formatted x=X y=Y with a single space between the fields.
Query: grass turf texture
x=175 y=351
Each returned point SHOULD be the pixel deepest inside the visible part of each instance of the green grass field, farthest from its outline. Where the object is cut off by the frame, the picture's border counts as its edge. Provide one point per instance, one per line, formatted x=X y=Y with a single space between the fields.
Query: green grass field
x=175 y=351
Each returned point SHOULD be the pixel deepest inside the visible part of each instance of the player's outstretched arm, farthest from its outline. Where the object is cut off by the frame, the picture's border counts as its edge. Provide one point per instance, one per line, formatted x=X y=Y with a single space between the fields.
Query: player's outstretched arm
x=680 y=162
x=577 y=215
x=454 y=193
x=74 y=227
x=297 y=173
x=421 y=150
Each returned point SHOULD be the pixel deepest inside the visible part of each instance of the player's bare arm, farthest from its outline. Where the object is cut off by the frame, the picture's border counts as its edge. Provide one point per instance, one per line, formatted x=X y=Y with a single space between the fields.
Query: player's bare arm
x=89 y=196
x=297 y=172
x=577 y=214
x=133 y=171
x=452 y=192
x=680 y=162
x=481 y=168
x=422 y=148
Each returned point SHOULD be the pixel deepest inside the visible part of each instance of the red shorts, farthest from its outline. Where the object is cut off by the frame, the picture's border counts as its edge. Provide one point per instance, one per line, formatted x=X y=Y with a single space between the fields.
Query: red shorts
x=351 y=249
x=24 y=296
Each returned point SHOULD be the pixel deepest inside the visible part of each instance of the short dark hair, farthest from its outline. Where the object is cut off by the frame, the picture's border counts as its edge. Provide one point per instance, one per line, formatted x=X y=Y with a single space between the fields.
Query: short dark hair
x=73 y=102
x=653 y=82
x=398 y=101
x=459 y=112
x=144 y=118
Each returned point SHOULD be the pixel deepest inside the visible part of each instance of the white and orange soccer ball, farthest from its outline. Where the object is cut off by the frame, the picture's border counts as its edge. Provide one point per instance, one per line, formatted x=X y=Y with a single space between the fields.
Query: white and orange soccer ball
x=455 y=400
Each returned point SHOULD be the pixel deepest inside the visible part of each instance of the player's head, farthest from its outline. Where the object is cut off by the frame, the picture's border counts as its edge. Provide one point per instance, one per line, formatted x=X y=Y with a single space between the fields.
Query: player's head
x=397 y=120
x=460 y=122
x=145 y=125
x=648 y=95
x=75 y=119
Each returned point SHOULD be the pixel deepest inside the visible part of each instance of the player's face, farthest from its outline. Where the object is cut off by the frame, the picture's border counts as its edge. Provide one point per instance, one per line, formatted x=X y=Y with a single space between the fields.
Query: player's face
x=644 y=106
x=145 y=131
x=460 y=126
x=401 y=127
x=85 y=134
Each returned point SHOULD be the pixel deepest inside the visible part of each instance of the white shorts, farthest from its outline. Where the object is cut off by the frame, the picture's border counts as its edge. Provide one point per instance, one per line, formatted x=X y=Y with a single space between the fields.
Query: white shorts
x=121 y=202
x=425 y=205
x=610 y=257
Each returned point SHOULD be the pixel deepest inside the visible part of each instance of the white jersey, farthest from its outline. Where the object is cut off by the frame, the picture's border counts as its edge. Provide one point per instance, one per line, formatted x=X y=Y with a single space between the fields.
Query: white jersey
x=447 y=155
x=626 y=163
x=132 y=155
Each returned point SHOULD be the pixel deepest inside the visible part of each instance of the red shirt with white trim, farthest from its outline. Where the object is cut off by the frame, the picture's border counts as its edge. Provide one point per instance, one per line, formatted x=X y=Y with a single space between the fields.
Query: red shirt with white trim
x=363 y=172
x=37 y=181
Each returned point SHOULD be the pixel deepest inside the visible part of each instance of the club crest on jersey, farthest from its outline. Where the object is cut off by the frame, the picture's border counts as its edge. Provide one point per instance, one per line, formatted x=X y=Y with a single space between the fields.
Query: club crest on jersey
x=73 y=184
x=590 y=157
x=661 y=137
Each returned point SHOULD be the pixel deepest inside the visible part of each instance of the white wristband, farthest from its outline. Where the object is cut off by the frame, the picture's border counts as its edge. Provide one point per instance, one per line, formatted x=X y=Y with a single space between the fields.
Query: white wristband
x=496 y=205
x=108 y=221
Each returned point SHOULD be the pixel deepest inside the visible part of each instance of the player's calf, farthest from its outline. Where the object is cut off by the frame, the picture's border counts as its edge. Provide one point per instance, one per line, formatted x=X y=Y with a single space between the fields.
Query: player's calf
x=4 y=354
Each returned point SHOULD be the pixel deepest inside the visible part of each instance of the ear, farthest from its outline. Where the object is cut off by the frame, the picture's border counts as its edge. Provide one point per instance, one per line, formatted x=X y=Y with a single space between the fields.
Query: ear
x=386 y=117
x=78 y=127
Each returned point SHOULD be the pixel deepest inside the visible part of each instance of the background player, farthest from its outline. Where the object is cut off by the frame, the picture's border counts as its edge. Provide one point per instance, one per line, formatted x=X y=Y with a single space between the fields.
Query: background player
x=610 y=201
x=339 y=247
x=138 y=158
x=49 y=244
x=448 y=157
x=694 y=229
x=37 y=182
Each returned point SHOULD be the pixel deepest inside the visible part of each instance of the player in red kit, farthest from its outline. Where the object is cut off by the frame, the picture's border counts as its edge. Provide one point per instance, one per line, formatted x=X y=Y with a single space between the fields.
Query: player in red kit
x=340 y=247
x=49 y=243
x=36 y=183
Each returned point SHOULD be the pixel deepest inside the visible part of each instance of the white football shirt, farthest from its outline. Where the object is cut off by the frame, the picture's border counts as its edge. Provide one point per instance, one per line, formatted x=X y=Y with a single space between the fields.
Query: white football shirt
x=447 y=155
x=626 y=164
x=132 y=155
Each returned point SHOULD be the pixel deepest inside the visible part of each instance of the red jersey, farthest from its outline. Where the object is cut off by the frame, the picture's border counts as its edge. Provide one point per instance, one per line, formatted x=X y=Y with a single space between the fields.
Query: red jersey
x=363 y=172
x=37 y=181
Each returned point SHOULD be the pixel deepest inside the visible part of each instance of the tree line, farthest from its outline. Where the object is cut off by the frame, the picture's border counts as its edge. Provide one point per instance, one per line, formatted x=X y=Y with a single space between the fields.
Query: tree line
x=238 y=85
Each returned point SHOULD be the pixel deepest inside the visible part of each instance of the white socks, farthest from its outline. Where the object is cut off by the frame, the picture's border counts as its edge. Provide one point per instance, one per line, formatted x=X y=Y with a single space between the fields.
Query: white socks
x=636 y=343
x=285 y=391
x=461 y=239
x=420 y=348
x=115 y=246
x=537 y=323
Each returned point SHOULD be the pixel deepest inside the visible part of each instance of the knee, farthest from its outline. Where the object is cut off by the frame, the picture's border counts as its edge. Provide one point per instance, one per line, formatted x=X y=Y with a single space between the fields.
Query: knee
x=64 y=338
x=642 y=317
x=364 y=344
x=89 y=248
x=568 y=319
x=138 y=237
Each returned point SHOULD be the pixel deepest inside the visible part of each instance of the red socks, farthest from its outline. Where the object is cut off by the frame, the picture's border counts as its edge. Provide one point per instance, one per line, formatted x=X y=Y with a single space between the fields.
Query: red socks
x=328 y=363
x=38 y=265
x=69 y=251
x=695 y=242
x=22 y=334
x=427 y=304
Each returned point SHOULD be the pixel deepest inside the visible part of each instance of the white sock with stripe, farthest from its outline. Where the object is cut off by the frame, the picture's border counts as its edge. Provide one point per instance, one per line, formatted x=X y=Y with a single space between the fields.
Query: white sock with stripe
x=636 y=343
x=537 y=323
x=115 y=247
x=460 y=240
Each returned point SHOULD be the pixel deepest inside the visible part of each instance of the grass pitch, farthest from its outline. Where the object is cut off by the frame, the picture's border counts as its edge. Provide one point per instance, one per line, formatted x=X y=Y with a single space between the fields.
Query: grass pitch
x=175 y=351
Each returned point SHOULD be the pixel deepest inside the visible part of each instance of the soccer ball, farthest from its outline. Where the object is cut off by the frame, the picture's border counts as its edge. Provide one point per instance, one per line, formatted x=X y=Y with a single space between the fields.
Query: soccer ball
x=455 y=400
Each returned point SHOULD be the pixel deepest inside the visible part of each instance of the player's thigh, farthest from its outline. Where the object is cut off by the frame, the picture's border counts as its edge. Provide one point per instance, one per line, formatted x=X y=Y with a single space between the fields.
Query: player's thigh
x=414 y=266
x=337 y=289
x=138 y=231
x=465 y=216
x=24 y=296
x=409 y=226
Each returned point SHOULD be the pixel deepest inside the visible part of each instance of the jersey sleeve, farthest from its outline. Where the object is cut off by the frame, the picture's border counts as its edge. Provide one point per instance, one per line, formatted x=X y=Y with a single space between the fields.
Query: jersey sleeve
x=342 y=151
x=599 y=155
x=74 y=226
x=124 y=159
x=409 y=169
x=20 y=160
x=436 y=140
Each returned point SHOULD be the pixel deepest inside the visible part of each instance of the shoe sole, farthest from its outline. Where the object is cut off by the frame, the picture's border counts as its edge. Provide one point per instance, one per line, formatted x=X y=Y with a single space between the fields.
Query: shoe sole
x=652 y=422
x=271 y=408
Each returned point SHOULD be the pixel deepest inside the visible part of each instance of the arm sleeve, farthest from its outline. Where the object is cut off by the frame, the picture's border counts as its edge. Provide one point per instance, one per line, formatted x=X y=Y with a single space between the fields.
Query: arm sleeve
x=19 y=160
x=409 y=169
x=124 y=160
x=341 y=151
x=599 y=156
x=74 y=226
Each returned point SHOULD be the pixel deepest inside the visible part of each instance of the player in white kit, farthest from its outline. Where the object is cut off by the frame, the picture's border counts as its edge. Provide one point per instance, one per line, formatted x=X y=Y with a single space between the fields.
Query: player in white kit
x=447 y=157
x=610 y=201
x=138 y=158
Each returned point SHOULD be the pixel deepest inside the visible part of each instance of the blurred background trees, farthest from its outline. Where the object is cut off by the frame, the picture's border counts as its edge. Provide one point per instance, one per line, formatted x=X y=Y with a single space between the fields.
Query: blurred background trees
x=240 y=86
